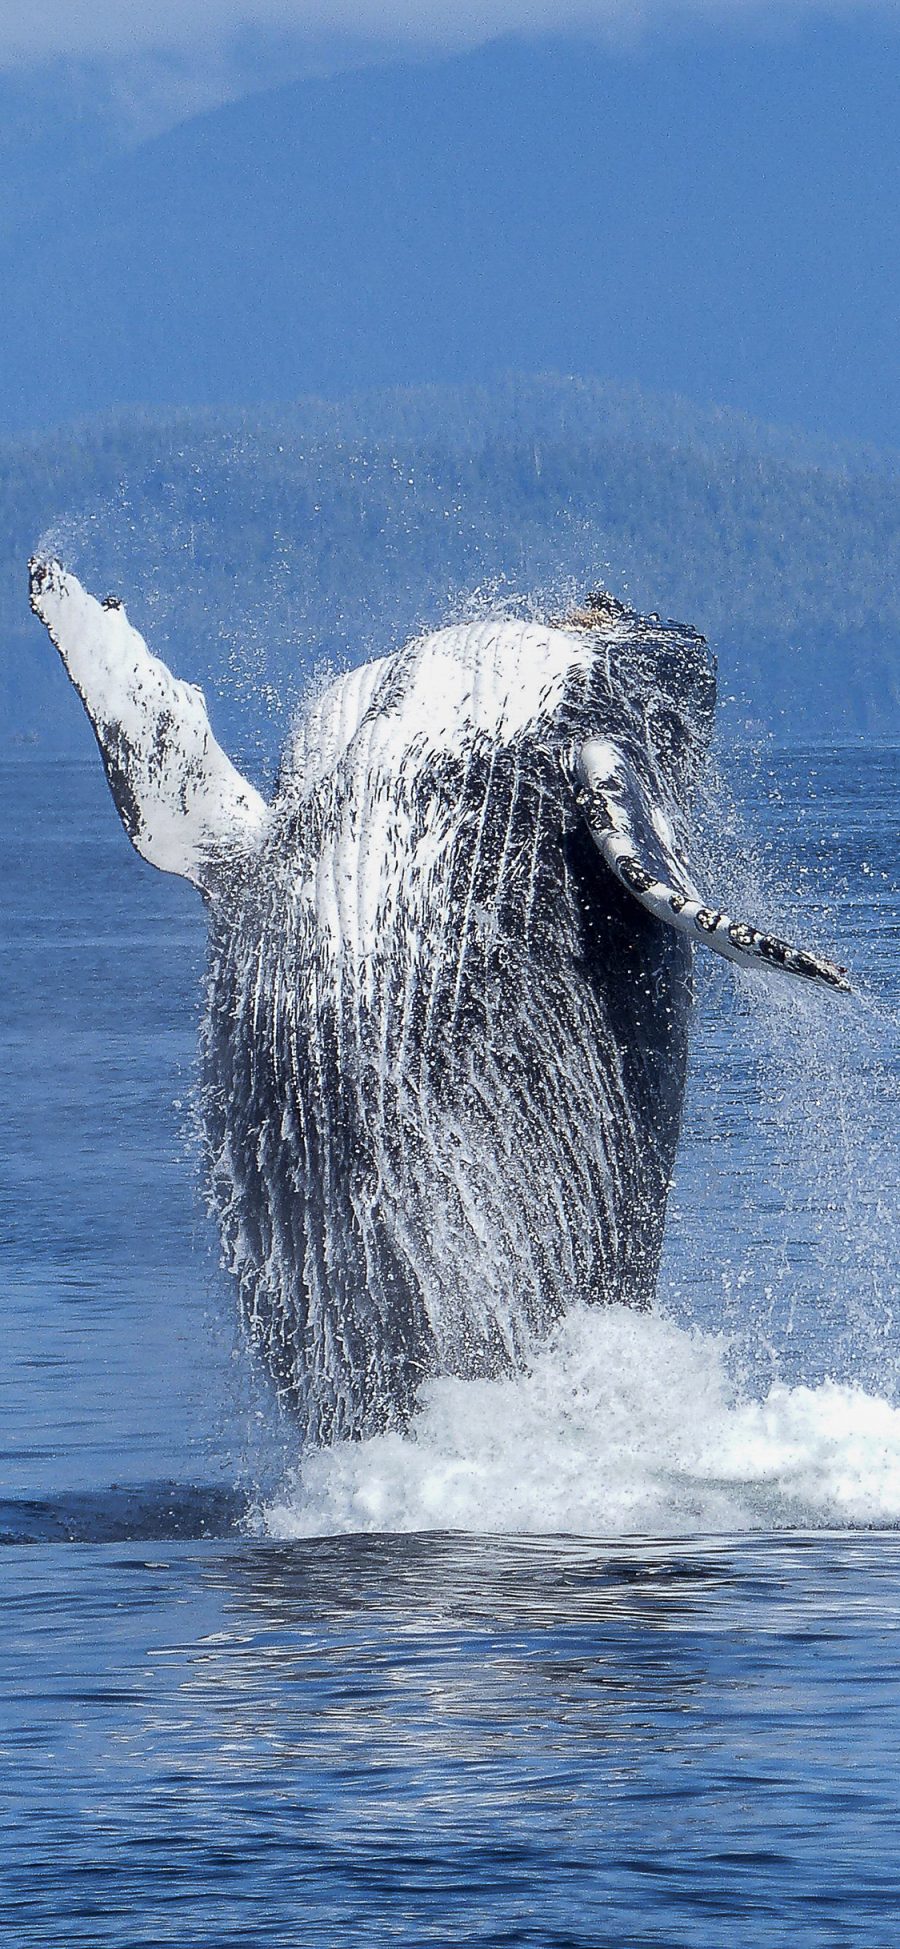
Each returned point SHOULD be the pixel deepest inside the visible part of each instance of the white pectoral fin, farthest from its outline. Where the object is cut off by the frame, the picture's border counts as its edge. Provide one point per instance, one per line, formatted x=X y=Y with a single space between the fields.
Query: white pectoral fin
x=636 y=842
x=180 y=799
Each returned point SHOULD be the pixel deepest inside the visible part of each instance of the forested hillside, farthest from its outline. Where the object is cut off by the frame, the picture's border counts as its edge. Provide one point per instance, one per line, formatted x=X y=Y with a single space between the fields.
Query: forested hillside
x=250 y=547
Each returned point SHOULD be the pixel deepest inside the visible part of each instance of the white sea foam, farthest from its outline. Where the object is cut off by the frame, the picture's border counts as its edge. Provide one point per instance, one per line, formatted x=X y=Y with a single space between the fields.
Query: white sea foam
x=626 y=1424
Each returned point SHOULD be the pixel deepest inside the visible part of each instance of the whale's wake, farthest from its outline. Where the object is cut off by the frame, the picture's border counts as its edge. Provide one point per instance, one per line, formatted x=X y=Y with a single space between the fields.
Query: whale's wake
x=627 y=1423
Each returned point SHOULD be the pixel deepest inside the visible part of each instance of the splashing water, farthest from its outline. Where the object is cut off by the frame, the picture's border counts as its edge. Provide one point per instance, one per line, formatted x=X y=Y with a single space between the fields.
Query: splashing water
x=626 y=1423
x=783 y=1225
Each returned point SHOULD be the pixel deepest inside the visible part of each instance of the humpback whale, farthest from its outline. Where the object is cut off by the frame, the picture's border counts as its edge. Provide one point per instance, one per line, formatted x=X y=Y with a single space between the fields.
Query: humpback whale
x=444 y=1043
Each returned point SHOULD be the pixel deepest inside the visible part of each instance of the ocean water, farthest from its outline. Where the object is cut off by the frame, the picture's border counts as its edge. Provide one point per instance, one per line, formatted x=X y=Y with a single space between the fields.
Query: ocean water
x=605 y=1655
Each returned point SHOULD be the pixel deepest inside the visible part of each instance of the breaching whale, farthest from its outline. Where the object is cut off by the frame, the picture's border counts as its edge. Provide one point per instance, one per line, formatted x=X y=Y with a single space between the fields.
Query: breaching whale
x=444 y=1044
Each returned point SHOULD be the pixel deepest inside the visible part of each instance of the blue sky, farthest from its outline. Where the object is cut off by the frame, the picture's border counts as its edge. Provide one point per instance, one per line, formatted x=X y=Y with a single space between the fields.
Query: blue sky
x=153 y=63
x=203 y=31
x=118 y=26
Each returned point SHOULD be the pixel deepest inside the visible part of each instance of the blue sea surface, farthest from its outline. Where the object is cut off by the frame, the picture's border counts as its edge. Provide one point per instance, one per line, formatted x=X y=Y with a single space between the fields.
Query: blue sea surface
x=606 y=1657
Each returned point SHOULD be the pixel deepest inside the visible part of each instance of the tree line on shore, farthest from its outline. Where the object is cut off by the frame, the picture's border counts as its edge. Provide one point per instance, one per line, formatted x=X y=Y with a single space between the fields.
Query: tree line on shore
x=252 y=547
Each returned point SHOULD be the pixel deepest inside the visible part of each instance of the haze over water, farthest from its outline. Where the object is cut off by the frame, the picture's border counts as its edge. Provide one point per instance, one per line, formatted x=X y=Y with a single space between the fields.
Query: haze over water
x=652 y=1669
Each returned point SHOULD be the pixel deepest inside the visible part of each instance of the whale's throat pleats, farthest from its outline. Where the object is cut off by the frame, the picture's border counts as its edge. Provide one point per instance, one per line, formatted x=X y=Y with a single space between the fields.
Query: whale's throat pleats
x=433 y=1121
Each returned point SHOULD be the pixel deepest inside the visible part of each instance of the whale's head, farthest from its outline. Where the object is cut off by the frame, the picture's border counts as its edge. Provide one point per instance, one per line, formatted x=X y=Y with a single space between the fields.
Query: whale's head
x=534 y=688
x=652 y=686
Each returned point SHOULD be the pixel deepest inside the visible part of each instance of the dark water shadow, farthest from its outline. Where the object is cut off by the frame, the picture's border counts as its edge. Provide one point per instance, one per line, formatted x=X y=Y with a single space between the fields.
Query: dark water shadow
x=134 y=1513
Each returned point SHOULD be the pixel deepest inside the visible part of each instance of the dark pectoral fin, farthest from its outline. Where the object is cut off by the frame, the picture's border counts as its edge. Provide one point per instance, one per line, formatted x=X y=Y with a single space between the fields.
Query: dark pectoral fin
x=636 y=841
x=179 y=797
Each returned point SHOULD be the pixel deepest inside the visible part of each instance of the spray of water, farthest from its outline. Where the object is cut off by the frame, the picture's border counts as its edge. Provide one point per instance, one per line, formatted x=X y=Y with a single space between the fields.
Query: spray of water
x=763 y=1392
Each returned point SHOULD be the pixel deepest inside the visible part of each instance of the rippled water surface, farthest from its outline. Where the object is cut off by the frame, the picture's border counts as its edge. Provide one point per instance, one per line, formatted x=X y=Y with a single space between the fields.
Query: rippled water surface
x=440 y=1740
x=608 y=1655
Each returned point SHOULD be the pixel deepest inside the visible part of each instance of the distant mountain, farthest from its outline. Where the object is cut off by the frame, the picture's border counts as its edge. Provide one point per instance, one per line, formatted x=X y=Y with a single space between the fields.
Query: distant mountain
x=251 y=546
x=58 y=132
x=718 y=216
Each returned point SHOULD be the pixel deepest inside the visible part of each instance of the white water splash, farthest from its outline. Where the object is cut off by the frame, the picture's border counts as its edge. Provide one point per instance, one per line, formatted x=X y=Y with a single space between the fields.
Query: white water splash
x=627 y=1423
